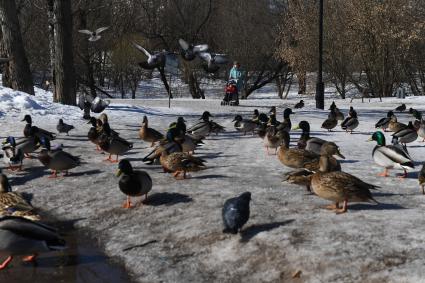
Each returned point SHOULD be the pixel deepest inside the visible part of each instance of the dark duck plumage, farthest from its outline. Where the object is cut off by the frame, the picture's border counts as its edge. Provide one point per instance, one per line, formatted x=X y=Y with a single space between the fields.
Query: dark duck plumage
x=133 y=183
x=30 y=130
x=383 y=123
x=62 y=127
x=236 y=212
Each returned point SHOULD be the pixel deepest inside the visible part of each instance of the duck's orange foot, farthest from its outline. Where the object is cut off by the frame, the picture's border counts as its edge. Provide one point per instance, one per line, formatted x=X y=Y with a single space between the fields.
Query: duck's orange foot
x=53 y=175
x=127 y=204
x=29 y=258
x=383 y=174
x=6 y=263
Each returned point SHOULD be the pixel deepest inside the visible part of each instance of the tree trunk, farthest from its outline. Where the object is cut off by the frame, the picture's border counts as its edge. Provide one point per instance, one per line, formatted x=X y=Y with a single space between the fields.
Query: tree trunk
x=19 y=69
x=64 y=60
x=302 y=82
x=51 y=23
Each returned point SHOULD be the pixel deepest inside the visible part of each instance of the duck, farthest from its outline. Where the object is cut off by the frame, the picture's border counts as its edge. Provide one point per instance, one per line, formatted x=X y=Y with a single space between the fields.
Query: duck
x=30 y=130
x=213 y=61
x=332 y=106
x=244 y=125
x=114 y=145
x=303 y=176
x=202 y=128
x=272 y=111
x=406 y=135
x=94 y=131
x=20 y=236
x=181 y=162
x=421 y=130
x=299 y=105
x=340 y=187
x=149 y=134
x=395 y=126
x=351 y=122
x=401 y=108
x=94 y=35
x=421 y=178
x=190 y=51
x=216 y=128
x=390 y=156
x=177 y=133
x=307 y=142
x=331 y=122
x=415 y=113
x=286 y=124
x=235 y=213
x=62 y=127
x=153 y=61
x=14 y=203
x=339 y=115
x=133 y=183
x=27 y=144
x=57 y=160
x=272 y=121
x=383 y=123
x=13 y=156
x=274 y=138
x=294 y=157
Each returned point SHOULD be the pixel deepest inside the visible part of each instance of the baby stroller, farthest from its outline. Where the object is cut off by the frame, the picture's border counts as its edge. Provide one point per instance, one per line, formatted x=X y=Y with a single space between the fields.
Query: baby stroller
x=231 y=96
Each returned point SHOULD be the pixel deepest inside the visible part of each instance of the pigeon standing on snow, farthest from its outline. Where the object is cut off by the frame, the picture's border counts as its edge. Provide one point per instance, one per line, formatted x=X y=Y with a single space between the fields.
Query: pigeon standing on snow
x=63 y=127
x=213 y=61
x=94 y=35
x=189 y=51
x=236 y=213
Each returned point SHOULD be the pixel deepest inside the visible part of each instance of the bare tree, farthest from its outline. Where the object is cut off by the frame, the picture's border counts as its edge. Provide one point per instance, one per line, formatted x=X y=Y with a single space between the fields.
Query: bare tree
x=19 y=73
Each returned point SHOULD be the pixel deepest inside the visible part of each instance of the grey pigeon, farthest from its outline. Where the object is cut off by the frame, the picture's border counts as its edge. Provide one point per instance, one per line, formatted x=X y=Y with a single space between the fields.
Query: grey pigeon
x=236 y=213
x=156 y=60
x=189 y=51
x=63 y=127
x=94 y=35
x=98 y=105
x=213 y=61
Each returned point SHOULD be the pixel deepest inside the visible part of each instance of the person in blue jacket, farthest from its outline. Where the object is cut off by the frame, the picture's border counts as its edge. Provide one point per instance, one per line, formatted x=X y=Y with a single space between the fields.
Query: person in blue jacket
x=237 y=74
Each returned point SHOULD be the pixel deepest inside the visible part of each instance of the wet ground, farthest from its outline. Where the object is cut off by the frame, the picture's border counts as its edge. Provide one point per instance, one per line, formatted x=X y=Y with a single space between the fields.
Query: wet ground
x=82 y=262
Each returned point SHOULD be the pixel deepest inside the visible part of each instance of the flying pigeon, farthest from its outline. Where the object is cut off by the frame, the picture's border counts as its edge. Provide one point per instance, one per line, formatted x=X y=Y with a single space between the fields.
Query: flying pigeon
x=189 y=51
x=236 y=213
x=213 y=61
x=98 y=105
x=94 y=35
x=156 y=60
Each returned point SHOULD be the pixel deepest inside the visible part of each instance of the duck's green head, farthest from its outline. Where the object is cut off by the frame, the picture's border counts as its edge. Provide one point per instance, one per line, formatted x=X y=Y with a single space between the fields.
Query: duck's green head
x=124 y=167
x=378 y=137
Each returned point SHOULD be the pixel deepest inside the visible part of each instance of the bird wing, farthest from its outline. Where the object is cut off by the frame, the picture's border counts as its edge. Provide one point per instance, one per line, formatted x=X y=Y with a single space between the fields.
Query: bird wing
x=28 y=229
x=85 y=31
x=395 y=154
x=183 y=44
x=221 y=59
x=200 y=48
x=140 y=48
x=101 y=29
x=205 y=56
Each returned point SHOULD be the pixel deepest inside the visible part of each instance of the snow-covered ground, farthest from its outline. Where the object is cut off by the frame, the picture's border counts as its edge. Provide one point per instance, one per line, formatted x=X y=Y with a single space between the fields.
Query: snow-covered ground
x=177 y=235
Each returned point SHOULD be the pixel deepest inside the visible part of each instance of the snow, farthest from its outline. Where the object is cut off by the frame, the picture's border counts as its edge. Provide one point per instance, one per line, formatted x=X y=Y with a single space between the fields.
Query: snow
x=176 y=236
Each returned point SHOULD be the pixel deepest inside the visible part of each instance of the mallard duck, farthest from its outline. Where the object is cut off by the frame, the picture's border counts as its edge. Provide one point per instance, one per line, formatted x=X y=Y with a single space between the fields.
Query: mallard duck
x=351 y=122
x=394 y=126
x=339 y=116
x=235 y=213
x=154 y=155
x=114 y=145
x=303 y=176
x=20 y=236
x=12 y=156
x=30 y=130
x=421 y=130
x=299 y=105
x=62 y=127
x=294 y=157
x=340 y=187
x=149 y=134
x=286 y=124
x=13 y=203
x=216 y=128
x=274 y=138
x=273 y=111
x=421 y=179
x=133 y=183
x=406 y=135
x=181 y=162
x=329 y=149
x=94 y=131
x=244 y=125
x=390 y=156
x=56 y=160
x=415 y=113
x=202 y=128
x=383 y=123
x=332 y=106
x=273 y=121
x=401 y=108
x=26 y=145
x=331 y=122
x=307 y=142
